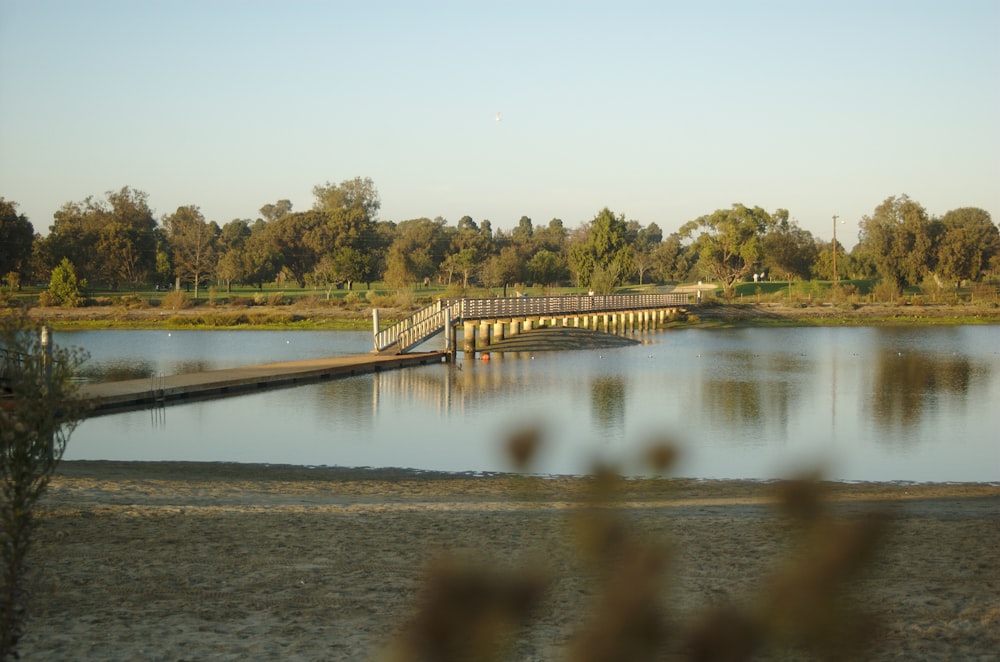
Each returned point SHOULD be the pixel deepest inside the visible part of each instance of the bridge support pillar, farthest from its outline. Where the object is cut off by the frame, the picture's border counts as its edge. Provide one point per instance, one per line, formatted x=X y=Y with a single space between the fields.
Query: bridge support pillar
x=527 y=324
x=484 y=333
x=497 y=331
x=469 y=337
x=515 y=327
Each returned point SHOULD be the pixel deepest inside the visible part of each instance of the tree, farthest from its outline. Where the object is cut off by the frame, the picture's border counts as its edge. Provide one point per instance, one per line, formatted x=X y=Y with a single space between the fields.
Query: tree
x=967 y=243
x=193 y=241
x=644 y=242
x=417 y=251
x=524 y=231
x=272 y=212
x=127 y=241
x=297 y=242
x=17 y=237
x=113 y=241
x=602 y=245
x=65 y=289
x=259 y=261
x=503 y=269
x=728 y=243
x=552 y=237
x=39 y=413
x=670 y=259
x=897 y=239
x=357 y=193
x=546 y=267
x=789 y=251
x=231 y=246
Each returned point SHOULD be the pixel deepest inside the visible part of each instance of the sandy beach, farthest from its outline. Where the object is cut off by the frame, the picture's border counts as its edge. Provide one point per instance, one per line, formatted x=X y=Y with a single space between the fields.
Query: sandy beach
x=182 y=561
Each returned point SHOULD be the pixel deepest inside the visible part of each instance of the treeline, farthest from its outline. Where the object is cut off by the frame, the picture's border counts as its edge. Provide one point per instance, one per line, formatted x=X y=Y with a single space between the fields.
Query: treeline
x=117 y=242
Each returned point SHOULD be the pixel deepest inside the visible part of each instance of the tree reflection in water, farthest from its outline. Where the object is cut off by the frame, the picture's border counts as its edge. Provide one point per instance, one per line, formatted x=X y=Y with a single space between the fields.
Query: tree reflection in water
x=908 y=385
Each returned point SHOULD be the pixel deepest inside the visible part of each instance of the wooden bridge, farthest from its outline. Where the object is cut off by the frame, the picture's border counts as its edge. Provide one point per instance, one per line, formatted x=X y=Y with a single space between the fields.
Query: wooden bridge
x=495 y=318
x=483 y=321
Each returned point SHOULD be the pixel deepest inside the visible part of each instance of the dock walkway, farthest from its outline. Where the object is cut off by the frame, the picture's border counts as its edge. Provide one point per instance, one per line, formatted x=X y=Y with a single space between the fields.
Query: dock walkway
x=111 y=397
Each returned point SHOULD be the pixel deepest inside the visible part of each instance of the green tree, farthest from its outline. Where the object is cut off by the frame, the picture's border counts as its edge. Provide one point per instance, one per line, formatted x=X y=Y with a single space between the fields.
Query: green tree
x=967 y=243
x=112 y=240
x=417 y=251
x=789 y=251
x=524 y=231
x=602 y=244
x=728 y=243
x=547 y=267
x=358 y=193
x=65 y=289
x=127 y=241
x=272 y=212
x=644 y=241
x=898 y=240
x=193 y=242
x=17 y=237
x=670 y=259
x=297 y=242
x=231 y=265
x=552 y=237
x=259 y=261
x=39 y=413
x=503 y=269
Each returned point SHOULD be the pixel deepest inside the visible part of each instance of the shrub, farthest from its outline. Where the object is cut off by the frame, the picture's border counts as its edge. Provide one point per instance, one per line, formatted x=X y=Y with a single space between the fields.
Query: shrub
x=65 y=288
x=176 y=300
x=277 y=299
x=130 y=301
x=39 y=414
x=886 y=292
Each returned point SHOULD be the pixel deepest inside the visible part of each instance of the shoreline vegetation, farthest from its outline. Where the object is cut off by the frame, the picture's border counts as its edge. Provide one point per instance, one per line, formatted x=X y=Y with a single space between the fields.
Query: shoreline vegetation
x=310 y=316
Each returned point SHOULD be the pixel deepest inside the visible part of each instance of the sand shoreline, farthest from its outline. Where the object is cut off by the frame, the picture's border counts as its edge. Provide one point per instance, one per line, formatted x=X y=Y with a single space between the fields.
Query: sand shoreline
x=170 y=561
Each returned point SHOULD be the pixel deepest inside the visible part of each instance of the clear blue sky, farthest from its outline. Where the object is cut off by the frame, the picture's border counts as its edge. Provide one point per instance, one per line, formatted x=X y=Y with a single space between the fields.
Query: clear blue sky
x=662 y=111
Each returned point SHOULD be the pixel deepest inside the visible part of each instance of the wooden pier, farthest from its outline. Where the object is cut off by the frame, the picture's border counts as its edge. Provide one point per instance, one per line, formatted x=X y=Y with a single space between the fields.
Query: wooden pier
x=111 y=397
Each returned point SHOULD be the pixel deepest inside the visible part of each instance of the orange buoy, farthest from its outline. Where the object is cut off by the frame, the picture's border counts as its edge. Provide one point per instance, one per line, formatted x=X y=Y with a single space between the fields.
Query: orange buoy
x=486 y=357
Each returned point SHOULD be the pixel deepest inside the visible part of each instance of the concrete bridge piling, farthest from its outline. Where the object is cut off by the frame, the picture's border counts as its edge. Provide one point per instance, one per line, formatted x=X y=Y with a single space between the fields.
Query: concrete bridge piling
x=480 y=335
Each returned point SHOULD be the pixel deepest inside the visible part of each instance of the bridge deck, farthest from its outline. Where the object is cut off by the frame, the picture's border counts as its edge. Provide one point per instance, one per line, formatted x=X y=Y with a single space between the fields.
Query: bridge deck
x=111 y=397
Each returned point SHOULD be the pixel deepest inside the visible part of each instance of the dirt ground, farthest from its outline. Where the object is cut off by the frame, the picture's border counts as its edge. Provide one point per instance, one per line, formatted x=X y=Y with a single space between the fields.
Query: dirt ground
x=181 y=561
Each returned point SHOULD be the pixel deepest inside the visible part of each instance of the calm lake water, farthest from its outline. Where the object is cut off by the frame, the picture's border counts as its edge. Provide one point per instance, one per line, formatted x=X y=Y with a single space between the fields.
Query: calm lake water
x=884 y=404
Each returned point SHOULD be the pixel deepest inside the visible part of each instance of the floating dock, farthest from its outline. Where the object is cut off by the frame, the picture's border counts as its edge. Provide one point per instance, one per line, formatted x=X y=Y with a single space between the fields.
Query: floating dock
x=111 y=397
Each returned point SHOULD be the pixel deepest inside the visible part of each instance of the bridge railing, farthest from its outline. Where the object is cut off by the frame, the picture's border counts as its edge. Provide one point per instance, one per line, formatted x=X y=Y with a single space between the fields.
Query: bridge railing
x=563 y=305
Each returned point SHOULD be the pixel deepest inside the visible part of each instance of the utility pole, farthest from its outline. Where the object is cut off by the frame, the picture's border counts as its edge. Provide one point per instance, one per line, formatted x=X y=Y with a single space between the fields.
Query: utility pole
x=835 y=278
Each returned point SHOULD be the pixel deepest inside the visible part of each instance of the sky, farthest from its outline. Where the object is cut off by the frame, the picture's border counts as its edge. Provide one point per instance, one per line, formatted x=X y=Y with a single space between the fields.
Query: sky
x=661 y=111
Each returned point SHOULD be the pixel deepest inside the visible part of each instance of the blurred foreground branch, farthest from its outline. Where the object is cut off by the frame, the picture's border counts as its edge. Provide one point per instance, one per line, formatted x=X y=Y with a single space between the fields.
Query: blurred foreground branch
x=38 y=412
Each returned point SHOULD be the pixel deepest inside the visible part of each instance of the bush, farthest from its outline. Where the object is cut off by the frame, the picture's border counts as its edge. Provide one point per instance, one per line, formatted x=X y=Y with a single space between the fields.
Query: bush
x=65 y=288
x=130 y=302
x=176 y=300
x=886 y=292
x=277 y=299
x=39 y=414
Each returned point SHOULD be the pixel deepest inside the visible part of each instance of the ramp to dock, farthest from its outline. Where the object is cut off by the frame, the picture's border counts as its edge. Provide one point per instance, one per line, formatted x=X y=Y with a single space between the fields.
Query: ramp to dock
x=111 y=397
